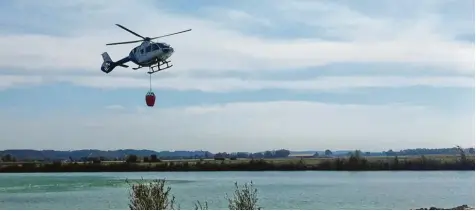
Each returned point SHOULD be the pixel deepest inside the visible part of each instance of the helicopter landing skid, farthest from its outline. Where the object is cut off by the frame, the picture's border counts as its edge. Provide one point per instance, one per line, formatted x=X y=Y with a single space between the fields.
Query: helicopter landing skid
x=158 y=67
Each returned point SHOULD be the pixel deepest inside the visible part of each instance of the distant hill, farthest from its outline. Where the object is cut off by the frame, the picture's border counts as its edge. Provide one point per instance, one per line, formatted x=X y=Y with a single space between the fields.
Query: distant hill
x=27 y=154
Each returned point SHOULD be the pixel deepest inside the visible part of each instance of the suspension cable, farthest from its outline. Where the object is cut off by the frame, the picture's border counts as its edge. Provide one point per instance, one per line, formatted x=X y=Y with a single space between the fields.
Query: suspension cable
x=150 y=82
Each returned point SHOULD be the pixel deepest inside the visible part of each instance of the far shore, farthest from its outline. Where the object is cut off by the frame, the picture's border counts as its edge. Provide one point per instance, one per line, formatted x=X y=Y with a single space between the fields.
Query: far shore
x=350 y=163
x=461 y=207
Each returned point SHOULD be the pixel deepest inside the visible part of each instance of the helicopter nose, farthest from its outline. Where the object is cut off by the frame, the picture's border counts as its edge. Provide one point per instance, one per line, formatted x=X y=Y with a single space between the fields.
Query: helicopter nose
x=168 y=50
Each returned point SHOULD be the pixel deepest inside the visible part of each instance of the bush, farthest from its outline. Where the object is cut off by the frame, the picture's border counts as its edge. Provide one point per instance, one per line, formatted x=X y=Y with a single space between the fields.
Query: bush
x=151 y=196
x=155 y=196
x=244 y=199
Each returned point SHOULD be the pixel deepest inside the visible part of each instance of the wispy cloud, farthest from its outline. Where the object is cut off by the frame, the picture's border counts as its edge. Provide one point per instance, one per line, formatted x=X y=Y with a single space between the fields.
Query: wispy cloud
x=240 y=126
x=115 y=107
x=332 y=83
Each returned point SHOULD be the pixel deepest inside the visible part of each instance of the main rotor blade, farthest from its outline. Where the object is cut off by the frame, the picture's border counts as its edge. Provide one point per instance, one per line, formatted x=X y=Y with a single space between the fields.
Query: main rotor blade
x=118 y=43
x=171 y=34
x=130 y=31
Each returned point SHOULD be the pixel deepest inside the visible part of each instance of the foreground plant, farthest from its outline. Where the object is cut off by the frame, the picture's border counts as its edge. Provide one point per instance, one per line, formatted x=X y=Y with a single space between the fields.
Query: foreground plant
x=151 y=196
x=245 y=198
x=200 y=206
x=155 y=196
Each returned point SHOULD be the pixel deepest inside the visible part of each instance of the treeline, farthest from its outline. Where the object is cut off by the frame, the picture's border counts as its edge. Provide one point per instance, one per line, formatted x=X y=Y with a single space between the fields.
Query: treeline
x=355 y=162
x=426 y=151
x=282 y=153
x=147 y=154
x=122 y=155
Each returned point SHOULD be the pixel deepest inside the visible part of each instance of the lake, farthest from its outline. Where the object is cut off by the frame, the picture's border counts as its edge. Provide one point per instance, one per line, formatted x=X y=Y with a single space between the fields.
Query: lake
x=277 y=190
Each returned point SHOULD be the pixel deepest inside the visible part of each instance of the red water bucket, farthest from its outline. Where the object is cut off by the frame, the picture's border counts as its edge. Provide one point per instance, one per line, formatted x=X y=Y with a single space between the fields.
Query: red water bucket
x=150 y=99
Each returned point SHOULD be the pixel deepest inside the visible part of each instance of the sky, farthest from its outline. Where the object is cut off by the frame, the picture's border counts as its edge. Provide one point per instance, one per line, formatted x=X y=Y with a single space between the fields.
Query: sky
x=250 y=76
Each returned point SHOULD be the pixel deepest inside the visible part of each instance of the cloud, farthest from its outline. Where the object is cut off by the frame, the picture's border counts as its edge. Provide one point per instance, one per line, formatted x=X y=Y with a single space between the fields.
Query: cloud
x=8 y=81
x=216 y=48
x=245 y=126
x=230 y=84
x=115 y=107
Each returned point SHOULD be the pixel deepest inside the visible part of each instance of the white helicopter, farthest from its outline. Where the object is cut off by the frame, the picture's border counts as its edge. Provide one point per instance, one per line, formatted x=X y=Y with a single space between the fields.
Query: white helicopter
x=147 y=54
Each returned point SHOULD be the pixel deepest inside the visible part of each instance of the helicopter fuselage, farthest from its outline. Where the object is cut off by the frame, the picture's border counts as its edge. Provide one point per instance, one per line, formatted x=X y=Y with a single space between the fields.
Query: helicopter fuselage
x=150 y=53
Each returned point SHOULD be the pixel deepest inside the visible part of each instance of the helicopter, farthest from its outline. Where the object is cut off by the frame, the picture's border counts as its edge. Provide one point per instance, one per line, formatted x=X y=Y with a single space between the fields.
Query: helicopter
x=147 y=54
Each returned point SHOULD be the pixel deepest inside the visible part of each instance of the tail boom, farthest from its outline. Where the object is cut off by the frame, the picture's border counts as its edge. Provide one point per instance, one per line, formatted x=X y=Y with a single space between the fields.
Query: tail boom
x=108 y=65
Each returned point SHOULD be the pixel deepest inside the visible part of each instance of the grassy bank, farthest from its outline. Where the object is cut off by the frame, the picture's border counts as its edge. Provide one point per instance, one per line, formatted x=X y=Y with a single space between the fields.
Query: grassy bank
x=354 y=162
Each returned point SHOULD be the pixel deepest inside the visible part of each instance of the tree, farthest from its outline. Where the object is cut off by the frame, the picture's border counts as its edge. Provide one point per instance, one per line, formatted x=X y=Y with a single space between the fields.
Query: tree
x=222 y=155
x=328 y=152
x=208 y=155
x=153 y=158
x=268 y=154
x=462 y=154
x=8 y=158
x=257 y=155
x=242 y=154
x=282 y=153
x=146 y=159
x=131 y=159
x=390 y=153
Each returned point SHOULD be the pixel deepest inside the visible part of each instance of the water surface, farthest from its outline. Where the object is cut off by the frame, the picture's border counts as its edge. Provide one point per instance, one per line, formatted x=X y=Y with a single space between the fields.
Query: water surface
x=277 y=190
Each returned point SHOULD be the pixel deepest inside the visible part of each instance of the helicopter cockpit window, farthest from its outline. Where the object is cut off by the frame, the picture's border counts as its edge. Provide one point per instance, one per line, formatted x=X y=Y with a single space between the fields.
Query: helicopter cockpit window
x=148 y=49
x=155 y=47
x=163 y=45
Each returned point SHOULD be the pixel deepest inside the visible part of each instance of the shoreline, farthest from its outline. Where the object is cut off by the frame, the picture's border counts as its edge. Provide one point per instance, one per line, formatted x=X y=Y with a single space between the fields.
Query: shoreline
x=351 y=163
x=460 y=207
x=132 y=171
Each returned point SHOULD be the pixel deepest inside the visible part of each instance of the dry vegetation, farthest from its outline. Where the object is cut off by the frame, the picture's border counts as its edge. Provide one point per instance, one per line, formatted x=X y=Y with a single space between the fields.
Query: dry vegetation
x=151 y=196
x=155 y=195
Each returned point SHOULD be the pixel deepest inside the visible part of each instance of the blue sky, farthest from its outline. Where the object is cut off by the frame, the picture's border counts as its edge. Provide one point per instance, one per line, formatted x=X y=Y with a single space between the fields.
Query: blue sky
x=250 y=76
